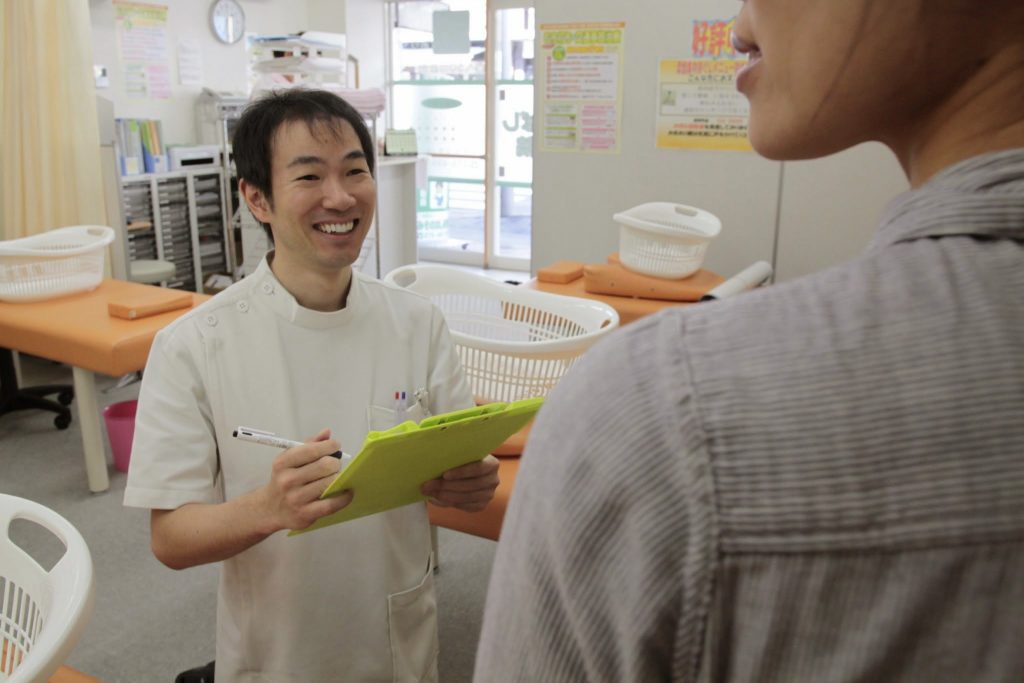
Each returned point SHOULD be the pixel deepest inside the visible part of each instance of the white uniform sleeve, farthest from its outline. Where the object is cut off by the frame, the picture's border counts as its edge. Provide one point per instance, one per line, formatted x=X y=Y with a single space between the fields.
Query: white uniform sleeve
x=174 y=453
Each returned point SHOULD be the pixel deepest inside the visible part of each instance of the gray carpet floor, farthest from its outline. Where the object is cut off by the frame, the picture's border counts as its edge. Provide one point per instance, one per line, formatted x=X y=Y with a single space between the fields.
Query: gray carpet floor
x=150 y=622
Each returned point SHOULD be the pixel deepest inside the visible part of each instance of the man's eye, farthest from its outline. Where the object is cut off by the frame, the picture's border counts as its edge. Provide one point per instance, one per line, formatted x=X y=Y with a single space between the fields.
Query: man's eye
x=308 y=177
x=358 y=171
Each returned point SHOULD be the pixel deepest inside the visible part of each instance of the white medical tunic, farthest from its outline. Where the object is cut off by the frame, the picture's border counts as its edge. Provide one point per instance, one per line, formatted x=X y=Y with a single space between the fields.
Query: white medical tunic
x=351 y=602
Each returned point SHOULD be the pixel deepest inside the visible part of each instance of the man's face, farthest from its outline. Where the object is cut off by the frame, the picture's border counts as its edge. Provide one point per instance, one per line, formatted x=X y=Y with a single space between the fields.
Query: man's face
x=323 y=197
x=827 y=74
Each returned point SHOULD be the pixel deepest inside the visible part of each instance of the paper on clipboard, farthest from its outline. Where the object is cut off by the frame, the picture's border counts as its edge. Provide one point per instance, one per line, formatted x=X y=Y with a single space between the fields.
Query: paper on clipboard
x=392 y=465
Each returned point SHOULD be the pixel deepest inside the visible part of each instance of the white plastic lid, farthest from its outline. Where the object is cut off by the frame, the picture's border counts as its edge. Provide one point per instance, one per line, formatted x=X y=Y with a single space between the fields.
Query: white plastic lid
x=671 y=219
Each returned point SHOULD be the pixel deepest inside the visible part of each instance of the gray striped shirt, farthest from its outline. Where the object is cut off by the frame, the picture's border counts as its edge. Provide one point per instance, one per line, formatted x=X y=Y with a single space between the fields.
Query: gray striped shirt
x=819 y=481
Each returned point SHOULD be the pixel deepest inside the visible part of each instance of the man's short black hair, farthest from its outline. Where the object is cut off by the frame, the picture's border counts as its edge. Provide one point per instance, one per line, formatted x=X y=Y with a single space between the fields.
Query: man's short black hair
x=252 y=143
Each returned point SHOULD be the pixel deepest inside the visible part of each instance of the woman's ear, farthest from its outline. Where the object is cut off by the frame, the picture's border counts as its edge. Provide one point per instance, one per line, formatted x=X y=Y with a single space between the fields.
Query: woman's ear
x=258 y=202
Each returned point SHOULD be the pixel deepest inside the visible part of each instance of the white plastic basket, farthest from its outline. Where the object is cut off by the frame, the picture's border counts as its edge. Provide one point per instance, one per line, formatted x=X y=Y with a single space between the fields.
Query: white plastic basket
x=664 y=239
x=42 y=611
x=514 y=342
x=53 y=263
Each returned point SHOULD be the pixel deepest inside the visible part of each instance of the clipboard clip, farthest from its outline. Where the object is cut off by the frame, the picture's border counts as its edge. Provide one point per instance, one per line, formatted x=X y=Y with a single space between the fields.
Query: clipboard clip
x=421 y=397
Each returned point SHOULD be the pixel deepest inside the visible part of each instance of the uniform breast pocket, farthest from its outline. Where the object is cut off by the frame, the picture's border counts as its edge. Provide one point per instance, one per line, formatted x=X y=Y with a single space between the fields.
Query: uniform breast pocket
x=379 y=418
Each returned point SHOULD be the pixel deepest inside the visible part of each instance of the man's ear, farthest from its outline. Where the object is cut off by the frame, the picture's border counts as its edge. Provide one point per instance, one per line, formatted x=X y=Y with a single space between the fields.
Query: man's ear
x=257 y=201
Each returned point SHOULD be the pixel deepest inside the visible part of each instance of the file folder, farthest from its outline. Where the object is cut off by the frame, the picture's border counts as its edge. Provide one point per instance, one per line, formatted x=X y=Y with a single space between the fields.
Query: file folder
x=392 y=465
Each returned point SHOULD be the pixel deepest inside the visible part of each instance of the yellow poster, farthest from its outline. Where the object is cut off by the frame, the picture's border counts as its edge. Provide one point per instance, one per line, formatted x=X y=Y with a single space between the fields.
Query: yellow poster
x=142 y=42
x=582 y=98
x=698 y=105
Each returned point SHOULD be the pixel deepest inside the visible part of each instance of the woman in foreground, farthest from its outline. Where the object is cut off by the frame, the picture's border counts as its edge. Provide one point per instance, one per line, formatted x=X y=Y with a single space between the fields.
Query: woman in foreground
x=822 y=480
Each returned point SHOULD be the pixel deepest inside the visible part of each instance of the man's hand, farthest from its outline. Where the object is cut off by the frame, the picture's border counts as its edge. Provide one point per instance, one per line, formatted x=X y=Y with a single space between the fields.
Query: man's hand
x=470 y=487
x=199 y=533
x=298 y=476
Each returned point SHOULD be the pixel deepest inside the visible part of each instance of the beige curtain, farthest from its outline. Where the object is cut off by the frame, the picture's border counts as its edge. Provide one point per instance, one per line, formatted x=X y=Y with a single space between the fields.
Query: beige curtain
x=49 y=139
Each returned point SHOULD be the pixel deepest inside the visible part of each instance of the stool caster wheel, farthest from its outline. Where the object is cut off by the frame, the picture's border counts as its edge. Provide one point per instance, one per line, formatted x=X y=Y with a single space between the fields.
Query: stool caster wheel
x=65 y=397
x=62 y=421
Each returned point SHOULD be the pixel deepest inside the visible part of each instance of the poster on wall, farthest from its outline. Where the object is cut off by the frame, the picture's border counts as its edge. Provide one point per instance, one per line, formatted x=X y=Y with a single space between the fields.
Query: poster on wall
x=190 y=62
x=142 y=43
x=698 y=105
x=581 y=108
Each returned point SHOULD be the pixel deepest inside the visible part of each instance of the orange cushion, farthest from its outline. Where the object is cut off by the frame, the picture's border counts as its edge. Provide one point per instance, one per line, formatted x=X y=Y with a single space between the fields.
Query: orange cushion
x=140 y=304
x=628 y=308
x=561 y=272
x=614 y=279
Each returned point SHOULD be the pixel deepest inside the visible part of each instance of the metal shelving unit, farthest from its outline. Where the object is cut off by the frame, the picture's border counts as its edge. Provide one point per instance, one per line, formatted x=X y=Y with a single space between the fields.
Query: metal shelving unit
x=178 y=217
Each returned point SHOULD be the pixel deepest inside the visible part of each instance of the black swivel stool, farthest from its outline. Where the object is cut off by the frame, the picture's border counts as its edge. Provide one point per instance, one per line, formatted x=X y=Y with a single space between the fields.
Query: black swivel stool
x=13 y=397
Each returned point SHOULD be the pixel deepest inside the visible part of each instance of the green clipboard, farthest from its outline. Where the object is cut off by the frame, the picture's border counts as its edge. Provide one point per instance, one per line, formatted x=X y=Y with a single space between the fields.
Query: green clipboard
x=392 y=465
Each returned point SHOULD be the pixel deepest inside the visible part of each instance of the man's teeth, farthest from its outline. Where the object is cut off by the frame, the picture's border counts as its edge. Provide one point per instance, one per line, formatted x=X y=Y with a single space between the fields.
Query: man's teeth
x=334 y=228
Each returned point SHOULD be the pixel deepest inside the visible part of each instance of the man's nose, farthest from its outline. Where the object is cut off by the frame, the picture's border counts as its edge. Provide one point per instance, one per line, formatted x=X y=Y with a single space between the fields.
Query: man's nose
x=337 y=196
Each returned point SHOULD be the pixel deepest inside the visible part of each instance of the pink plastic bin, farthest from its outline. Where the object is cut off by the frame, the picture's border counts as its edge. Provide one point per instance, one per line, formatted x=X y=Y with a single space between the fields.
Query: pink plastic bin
x=120 y=419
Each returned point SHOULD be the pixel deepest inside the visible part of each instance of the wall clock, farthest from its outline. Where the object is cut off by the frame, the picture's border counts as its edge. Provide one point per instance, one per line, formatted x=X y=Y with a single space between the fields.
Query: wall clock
x=227 y=21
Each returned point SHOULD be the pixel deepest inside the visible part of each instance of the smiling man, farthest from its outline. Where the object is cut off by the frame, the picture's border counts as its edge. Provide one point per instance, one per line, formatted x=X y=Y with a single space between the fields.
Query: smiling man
x=304 y=345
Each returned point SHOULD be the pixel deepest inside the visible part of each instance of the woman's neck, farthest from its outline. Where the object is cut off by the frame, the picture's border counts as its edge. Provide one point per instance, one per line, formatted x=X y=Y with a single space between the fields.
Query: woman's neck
x=985 y=114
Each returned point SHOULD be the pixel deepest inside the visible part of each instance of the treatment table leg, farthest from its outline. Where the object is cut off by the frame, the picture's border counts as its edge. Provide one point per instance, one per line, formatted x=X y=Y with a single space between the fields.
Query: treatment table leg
x=92 y=436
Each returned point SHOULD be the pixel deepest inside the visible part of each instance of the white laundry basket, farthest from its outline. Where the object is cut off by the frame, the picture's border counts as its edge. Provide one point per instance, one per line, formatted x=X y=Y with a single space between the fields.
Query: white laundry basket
x=664 y=239
x=514 y=342
x=53 y=263
x=42 y=613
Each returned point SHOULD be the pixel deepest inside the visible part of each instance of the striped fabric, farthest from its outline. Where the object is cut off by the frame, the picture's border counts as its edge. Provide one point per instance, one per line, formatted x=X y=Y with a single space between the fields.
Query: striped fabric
x=818 y=481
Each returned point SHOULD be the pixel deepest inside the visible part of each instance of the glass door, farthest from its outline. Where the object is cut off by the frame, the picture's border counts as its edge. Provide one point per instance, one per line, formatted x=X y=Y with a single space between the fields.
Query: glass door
x=470 y=101
x=511 y=161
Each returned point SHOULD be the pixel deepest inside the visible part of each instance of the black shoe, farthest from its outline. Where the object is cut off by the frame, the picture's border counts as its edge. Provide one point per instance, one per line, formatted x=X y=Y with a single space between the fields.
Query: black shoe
x=200 y=674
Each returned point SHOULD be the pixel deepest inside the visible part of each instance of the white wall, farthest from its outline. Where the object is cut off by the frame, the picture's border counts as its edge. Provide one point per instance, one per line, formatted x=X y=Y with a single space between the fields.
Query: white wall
x=367 y=25
x=224 y=66
x=326 y=15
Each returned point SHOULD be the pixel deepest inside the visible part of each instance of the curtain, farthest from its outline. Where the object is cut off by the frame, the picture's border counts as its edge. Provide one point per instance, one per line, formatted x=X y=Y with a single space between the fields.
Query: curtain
x=50 y=173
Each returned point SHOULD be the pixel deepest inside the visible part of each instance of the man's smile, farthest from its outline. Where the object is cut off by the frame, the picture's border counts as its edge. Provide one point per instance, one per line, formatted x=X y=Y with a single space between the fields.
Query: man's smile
x=336 y=227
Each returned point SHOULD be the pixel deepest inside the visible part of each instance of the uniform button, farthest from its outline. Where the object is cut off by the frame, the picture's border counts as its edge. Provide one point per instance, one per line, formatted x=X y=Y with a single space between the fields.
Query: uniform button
x=268 y=288
x=243 y=306
x=211 y=320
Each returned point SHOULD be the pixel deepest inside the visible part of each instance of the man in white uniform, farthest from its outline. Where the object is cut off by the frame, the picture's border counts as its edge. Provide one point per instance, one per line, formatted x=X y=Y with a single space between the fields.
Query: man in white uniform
x=303 y=346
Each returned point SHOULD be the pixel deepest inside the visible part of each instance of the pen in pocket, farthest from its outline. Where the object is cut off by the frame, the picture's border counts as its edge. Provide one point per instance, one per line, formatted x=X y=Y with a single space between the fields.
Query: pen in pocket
x=400 y=407
x=271 y=439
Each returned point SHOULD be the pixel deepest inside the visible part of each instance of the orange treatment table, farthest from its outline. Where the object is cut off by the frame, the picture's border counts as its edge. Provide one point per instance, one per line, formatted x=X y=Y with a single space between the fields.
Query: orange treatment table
x=77 y=330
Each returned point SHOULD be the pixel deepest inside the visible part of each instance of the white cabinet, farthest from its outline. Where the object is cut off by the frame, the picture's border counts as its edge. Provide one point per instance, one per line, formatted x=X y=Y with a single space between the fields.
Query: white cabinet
x=397 y=180
x=177 y=217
